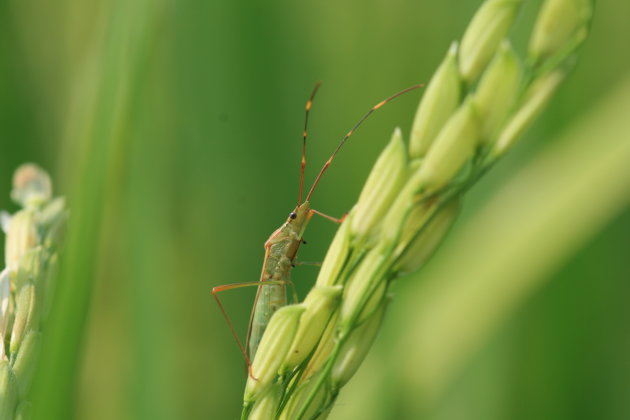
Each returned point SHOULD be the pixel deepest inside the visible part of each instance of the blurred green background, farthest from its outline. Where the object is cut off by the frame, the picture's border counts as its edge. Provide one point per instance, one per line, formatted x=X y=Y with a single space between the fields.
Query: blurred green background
x=174 y=128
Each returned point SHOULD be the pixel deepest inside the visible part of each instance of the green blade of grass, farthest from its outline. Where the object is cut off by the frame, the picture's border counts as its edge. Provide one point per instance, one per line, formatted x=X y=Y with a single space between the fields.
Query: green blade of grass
x=100 y=131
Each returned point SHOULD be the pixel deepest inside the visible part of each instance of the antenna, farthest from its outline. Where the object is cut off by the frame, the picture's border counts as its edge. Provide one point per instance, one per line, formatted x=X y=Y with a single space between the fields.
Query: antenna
x=309 y=103
x=343 y=141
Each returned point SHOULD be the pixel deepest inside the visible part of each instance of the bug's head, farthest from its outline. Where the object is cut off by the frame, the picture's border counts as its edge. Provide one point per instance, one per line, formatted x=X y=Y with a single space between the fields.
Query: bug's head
x=300 y=213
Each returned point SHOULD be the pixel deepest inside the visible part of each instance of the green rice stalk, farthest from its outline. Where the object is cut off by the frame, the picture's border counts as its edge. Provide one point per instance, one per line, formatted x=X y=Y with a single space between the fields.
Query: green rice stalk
x=480 y=100
x=33 y=239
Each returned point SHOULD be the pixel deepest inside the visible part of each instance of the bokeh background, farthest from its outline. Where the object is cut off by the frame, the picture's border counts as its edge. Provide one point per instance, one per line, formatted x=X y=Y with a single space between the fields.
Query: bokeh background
x=174 y=129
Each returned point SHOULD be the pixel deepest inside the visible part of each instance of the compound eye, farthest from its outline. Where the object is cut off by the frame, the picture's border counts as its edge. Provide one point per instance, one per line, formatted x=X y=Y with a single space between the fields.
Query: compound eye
x=292 y=215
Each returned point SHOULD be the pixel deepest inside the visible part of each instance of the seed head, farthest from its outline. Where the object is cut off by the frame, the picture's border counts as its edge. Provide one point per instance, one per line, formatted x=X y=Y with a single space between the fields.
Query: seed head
x=320 y=304
x=561 y=25
x=25 y=362
x=452 y=148
x=324 y=348
x=25 y=315
x=5 y=296
x=336 y=255
x=21 y=236
x=31 y=186
x=364 y=290
x=356 y=348
x=386 y=178
x=425 y=241
x=536 y=97
x=497 y=91
x=272 y=350
x=438 y=103
x=484 y=34
x=10 y=394
x=297 y=401
x=267 y=405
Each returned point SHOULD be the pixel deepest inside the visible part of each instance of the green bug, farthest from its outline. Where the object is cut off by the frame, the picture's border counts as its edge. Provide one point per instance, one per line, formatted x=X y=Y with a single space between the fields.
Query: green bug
x=281 y=249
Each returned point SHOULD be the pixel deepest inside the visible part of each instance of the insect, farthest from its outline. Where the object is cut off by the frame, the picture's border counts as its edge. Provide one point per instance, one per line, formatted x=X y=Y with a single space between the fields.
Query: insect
x=282 y=246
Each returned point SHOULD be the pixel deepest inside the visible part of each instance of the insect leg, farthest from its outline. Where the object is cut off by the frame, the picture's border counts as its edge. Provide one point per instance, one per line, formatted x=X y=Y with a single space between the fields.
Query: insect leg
x=222 y=288
x=331 y=218
x=315 y=264
x=294 y=294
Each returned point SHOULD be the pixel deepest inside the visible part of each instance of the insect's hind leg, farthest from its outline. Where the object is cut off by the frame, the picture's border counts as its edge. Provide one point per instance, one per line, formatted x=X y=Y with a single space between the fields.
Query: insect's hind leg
x=224 y=287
